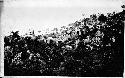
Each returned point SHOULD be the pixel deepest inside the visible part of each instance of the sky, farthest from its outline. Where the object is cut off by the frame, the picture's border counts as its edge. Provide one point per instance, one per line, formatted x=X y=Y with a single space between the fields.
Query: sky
x=40 y=15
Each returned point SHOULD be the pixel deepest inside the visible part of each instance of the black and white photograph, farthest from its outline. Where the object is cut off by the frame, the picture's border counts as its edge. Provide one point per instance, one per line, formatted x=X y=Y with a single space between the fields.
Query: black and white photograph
x=62 y=38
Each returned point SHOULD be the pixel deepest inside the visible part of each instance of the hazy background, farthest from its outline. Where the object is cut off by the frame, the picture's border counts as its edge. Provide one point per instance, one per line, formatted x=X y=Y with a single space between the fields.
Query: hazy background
x=23 y=15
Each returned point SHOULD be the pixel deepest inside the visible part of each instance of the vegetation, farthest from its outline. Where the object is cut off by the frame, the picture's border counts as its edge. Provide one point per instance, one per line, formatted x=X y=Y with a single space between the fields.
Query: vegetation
x=89 y=47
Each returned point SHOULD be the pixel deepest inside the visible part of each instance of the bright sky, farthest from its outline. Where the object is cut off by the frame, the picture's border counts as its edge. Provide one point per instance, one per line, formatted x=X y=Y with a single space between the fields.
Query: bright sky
x=42 y=14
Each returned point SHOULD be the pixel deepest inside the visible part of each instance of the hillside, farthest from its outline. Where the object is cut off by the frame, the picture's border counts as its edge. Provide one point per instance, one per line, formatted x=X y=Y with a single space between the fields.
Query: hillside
x=92 y=46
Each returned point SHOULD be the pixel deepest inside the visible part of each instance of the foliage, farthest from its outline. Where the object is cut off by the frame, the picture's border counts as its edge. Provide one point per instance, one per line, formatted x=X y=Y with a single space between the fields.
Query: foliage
x=83 y=48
